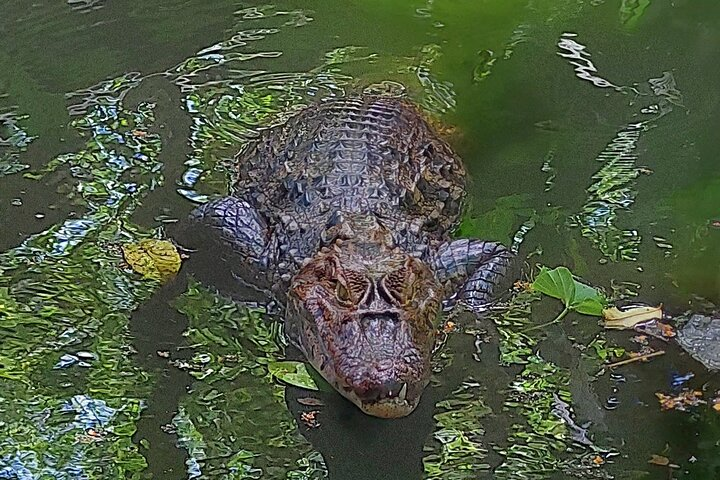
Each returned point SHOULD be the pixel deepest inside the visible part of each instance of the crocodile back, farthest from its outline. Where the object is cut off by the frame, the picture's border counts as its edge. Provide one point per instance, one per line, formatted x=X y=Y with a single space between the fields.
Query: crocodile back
x=357 y=155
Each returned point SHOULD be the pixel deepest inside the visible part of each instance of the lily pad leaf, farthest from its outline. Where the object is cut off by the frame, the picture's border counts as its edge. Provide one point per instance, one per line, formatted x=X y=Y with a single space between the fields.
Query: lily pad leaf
x=151 y=258
x=294 y=373
x=590 y=306
x=624 y=319
x=559 y=283
x=588 y=300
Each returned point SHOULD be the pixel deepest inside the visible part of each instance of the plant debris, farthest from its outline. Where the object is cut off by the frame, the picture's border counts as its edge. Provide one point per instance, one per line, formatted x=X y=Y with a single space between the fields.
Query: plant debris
x=310 y=402
x=662 y=461
x=152 y=258
x=635 y=357
x=615 y=318
x=449 y=327
x=656 y=329
x=310 y=419
x=685 y=399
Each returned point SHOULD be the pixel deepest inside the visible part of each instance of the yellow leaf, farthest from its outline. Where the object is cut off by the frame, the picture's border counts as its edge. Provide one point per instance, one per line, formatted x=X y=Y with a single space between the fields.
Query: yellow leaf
x=156 y=259
x=621 y=319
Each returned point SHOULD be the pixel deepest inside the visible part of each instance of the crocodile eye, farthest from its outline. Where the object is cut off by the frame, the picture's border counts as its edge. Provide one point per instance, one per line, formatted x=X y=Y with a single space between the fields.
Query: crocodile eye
x=342 y=294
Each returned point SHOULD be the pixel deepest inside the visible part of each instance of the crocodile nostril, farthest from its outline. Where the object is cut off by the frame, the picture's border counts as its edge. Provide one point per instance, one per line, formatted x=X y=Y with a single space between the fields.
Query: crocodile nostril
x=371 y=318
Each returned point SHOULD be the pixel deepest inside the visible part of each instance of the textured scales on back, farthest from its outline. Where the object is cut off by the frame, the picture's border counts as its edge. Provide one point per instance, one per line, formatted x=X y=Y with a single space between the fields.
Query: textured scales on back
x=358 y=155
x=348 y=207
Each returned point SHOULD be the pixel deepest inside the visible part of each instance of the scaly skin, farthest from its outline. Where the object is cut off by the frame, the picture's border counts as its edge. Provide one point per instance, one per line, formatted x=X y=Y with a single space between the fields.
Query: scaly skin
x=348 y=206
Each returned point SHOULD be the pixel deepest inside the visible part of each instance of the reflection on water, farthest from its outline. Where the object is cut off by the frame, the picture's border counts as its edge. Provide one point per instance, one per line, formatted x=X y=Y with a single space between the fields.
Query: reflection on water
x=235 y=424
x=64 y=291
x=614 y=188
x=73 y=391
x=13 y=141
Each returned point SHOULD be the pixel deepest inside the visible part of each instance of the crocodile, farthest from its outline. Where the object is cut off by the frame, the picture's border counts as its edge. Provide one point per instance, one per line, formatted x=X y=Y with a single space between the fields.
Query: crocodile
x=348 y=207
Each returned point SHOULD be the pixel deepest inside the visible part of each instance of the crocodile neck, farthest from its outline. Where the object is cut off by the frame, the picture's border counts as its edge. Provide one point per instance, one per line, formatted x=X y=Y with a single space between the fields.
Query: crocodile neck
x=365 y=230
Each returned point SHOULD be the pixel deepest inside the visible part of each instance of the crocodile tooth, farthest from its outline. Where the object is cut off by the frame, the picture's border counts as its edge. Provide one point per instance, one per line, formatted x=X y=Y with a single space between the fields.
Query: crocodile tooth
x=403 y=392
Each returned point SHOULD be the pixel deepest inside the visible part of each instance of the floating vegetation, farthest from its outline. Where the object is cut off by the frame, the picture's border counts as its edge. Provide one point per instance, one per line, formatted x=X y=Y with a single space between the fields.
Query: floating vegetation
x=293 y=373
x=576 y=296
x=236 y=424
x=151 y=258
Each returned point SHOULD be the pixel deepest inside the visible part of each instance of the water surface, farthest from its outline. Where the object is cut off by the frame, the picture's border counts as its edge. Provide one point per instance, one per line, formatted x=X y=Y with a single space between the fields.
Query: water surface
x=588 y=128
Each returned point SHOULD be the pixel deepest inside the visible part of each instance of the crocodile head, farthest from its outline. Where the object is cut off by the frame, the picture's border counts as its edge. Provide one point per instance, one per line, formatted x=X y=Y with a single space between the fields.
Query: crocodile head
x=364 y=315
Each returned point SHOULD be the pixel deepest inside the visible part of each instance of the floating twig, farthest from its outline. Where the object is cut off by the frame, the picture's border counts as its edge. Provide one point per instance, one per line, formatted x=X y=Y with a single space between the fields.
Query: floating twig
x=635 y=359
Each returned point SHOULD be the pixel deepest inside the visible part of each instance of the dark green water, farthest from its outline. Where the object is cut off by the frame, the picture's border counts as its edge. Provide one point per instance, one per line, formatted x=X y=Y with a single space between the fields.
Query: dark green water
x=589 y=127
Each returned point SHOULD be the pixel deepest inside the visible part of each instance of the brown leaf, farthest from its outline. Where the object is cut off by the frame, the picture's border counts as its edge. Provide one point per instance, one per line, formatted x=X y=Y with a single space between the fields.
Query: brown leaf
x=622 y=319
x=666 y=330
x=686 y=398
x=310 y=402
x=309 y=419
x=449 y=326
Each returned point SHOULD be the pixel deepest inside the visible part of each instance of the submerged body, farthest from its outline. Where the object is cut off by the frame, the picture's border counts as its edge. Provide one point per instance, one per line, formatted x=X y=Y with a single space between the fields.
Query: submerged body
x=349 y=206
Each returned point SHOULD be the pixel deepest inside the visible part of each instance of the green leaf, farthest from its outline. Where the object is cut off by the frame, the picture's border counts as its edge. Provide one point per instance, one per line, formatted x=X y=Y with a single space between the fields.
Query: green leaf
x=557 y=283
x=588 y=300
x=294 y=373
x=590 y=306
